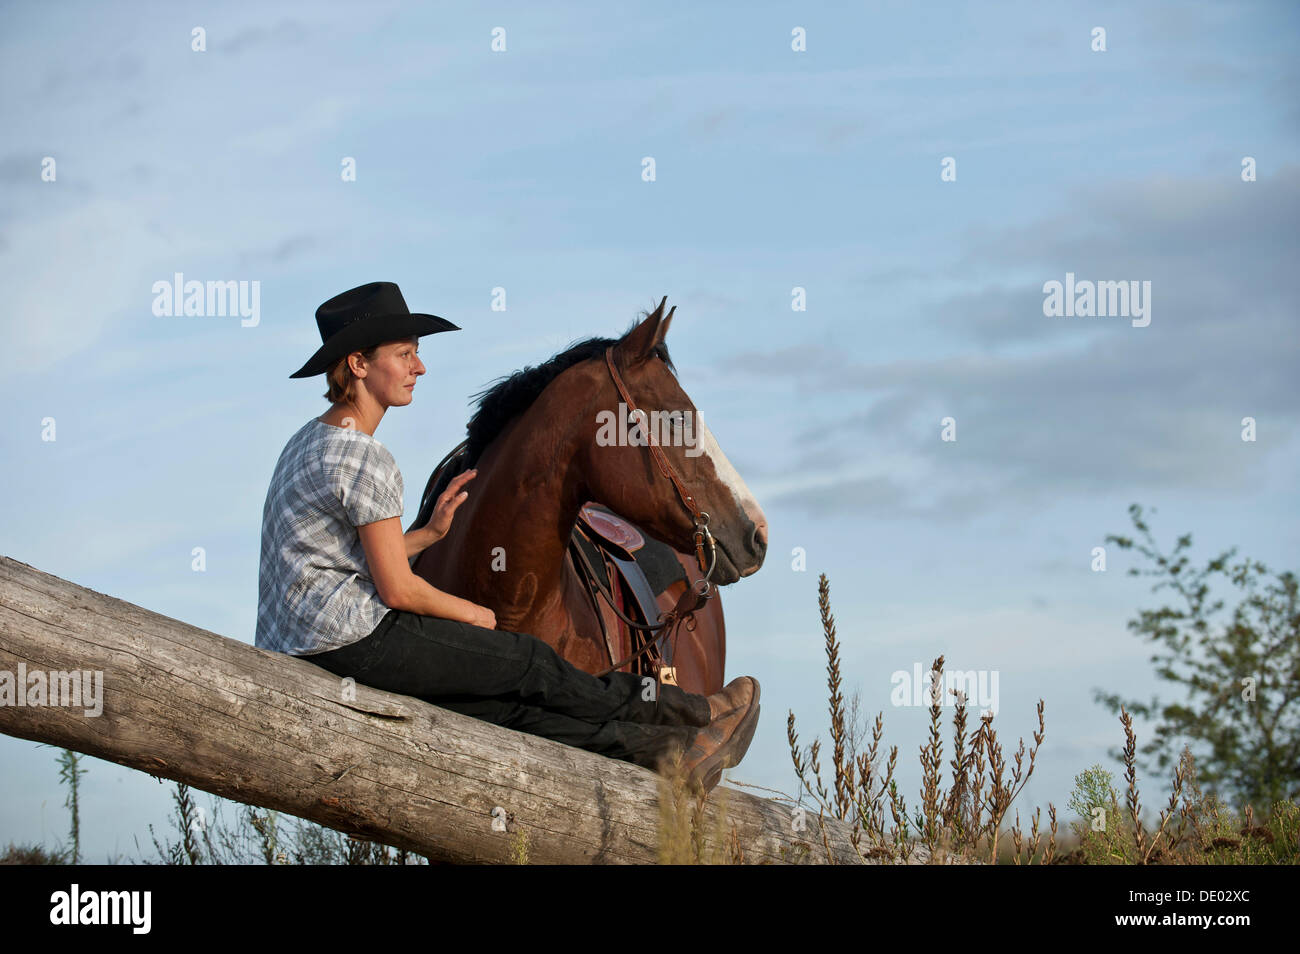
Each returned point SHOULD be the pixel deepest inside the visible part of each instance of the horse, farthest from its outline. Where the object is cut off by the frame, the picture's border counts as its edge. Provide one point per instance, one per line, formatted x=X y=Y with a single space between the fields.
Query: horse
x=541 y=441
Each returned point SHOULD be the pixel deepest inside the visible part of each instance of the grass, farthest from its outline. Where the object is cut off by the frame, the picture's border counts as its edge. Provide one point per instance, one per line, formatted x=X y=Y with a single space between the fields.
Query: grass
x=965 y=823
x=258 y=837
x=684 y=839
x=962 y=823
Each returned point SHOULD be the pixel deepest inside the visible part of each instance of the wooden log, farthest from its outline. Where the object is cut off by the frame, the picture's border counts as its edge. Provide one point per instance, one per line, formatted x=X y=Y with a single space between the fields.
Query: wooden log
x=276 y=731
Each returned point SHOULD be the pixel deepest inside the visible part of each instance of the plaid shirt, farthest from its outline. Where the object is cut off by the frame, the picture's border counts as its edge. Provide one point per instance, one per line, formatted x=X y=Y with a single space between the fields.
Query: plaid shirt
x=315 y=591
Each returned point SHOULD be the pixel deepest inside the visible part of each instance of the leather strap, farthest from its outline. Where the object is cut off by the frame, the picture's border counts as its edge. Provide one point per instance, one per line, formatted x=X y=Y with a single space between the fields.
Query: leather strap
x=666 y=469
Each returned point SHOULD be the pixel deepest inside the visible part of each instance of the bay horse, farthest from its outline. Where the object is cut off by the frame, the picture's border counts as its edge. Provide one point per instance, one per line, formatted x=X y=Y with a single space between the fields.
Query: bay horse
x=541 y=442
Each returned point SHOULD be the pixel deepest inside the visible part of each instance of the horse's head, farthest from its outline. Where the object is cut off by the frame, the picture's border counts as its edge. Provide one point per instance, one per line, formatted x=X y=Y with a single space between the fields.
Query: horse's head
x=620 y=469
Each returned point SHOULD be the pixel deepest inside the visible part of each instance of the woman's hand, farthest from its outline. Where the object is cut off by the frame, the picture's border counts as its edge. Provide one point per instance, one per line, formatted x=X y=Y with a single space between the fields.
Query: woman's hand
x=482 y=616
x=451 y=498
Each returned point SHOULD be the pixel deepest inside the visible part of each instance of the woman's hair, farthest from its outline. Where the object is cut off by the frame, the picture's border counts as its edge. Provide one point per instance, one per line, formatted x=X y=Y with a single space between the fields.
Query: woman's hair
x=342 y=382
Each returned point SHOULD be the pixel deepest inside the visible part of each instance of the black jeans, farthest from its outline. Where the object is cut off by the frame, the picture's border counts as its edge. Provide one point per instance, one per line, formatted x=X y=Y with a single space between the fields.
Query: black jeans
x=518 y=681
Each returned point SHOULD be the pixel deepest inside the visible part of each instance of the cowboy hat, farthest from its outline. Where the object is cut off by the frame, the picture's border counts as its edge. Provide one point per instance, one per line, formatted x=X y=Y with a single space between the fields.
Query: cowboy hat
x=363 y=317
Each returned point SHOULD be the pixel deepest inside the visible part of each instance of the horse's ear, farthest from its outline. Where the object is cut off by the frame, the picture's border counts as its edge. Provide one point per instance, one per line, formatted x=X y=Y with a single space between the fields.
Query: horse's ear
x=639 y=343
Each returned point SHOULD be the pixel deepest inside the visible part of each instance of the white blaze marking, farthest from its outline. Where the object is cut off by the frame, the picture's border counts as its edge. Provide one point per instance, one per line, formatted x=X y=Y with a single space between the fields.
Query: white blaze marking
x=727 y=474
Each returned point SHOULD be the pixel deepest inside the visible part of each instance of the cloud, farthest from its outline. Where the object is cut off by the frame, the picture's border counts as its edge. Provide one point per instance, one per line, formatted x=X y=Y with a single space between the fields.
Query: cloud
x=76 y=279
x=93 y=73
x=832 y=135
x=707 y=298
x=294 y=246
x=19 y=168
x=284 y=33
x=1048 y=406
x=708 y=125
x=802 y=360
x=307 y=124
x=829 y=498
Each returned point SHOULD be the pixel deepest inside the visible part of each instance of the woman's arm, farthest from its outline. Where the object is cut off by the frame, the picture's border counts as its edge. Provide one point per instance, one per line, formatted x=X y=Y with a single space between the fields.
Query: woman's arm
x=417 y=541
x=401 y=589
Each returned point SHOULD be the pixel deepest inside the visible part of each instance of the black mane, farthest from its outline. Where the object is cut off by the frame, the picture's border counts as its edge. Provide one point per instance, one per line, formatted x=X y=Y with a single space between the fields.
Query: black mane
x=500 y=403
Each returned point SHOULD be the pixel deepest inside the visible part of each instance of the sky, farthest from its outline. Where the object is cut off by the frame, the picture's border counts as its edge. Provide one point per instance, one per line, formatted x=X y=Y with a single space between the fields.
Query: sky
x=840 y=293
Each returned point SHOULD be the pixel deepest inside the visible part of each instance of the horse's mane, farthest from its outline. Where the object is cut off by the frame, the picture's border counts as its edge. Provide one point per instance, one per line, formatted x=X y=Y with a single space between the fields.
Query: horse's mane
x=501 y=402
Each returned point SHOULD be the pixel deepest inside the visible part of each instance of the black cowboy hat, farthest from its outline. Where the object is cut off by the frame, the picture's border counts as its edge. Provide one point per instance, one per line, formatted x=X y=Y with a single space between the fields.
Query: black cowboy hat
x=363 y=317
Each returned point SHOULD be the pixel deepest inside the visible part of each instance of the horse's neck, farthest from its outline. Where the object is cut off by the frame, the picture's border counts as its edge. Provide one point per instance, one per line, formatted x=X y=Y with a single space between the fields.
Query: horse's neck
x=526 y=499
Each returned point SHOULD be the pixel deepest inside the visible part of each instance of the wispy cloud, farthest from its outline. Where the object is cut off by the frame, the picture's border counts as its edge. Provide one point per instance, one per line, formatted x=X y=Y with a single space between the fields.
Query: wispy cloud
x=1038 y=421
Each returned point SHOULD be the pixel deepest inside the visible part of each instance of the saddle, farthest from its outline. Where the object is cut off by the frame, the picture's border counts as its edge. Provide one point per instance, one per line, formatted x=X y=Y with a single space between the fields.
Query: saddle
x=644 y=576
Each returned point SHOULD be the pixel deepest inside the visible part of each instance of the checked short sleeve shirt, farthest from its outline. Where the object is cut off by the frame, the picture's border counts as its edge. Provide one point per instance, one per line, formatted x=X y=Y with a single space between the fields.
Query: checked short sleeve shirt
x=315 y=592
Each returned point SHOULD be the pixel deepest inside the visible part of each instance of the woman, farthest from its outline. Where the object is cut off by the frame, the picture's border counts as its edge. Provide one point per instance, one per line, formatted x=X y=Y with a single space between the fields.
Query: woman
x=336 y=584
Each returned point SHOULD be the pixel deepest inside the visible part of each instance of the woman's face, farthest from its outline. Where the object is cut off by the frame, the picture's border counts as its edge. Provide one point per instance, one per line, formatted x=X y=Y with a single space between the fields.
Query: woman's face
x=390 y=378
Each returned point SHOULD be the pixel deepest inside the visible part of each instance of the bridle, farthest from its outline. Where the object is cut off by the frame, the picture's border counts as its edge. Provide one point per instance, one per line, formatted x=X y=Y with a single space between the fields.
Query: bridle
x=699 y=592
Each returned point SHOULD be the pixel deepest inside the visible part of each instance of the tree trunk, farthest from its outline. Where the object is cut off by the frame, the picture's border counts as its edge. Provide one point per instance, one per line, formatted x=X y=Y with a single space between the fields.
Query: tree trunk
x=278 y=732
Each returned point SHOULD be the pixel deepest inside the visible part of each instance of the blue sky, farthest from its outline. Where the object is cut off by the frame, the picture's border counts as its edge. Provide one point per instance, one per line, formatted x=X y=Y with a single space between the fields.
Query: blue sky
x=775 y=169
